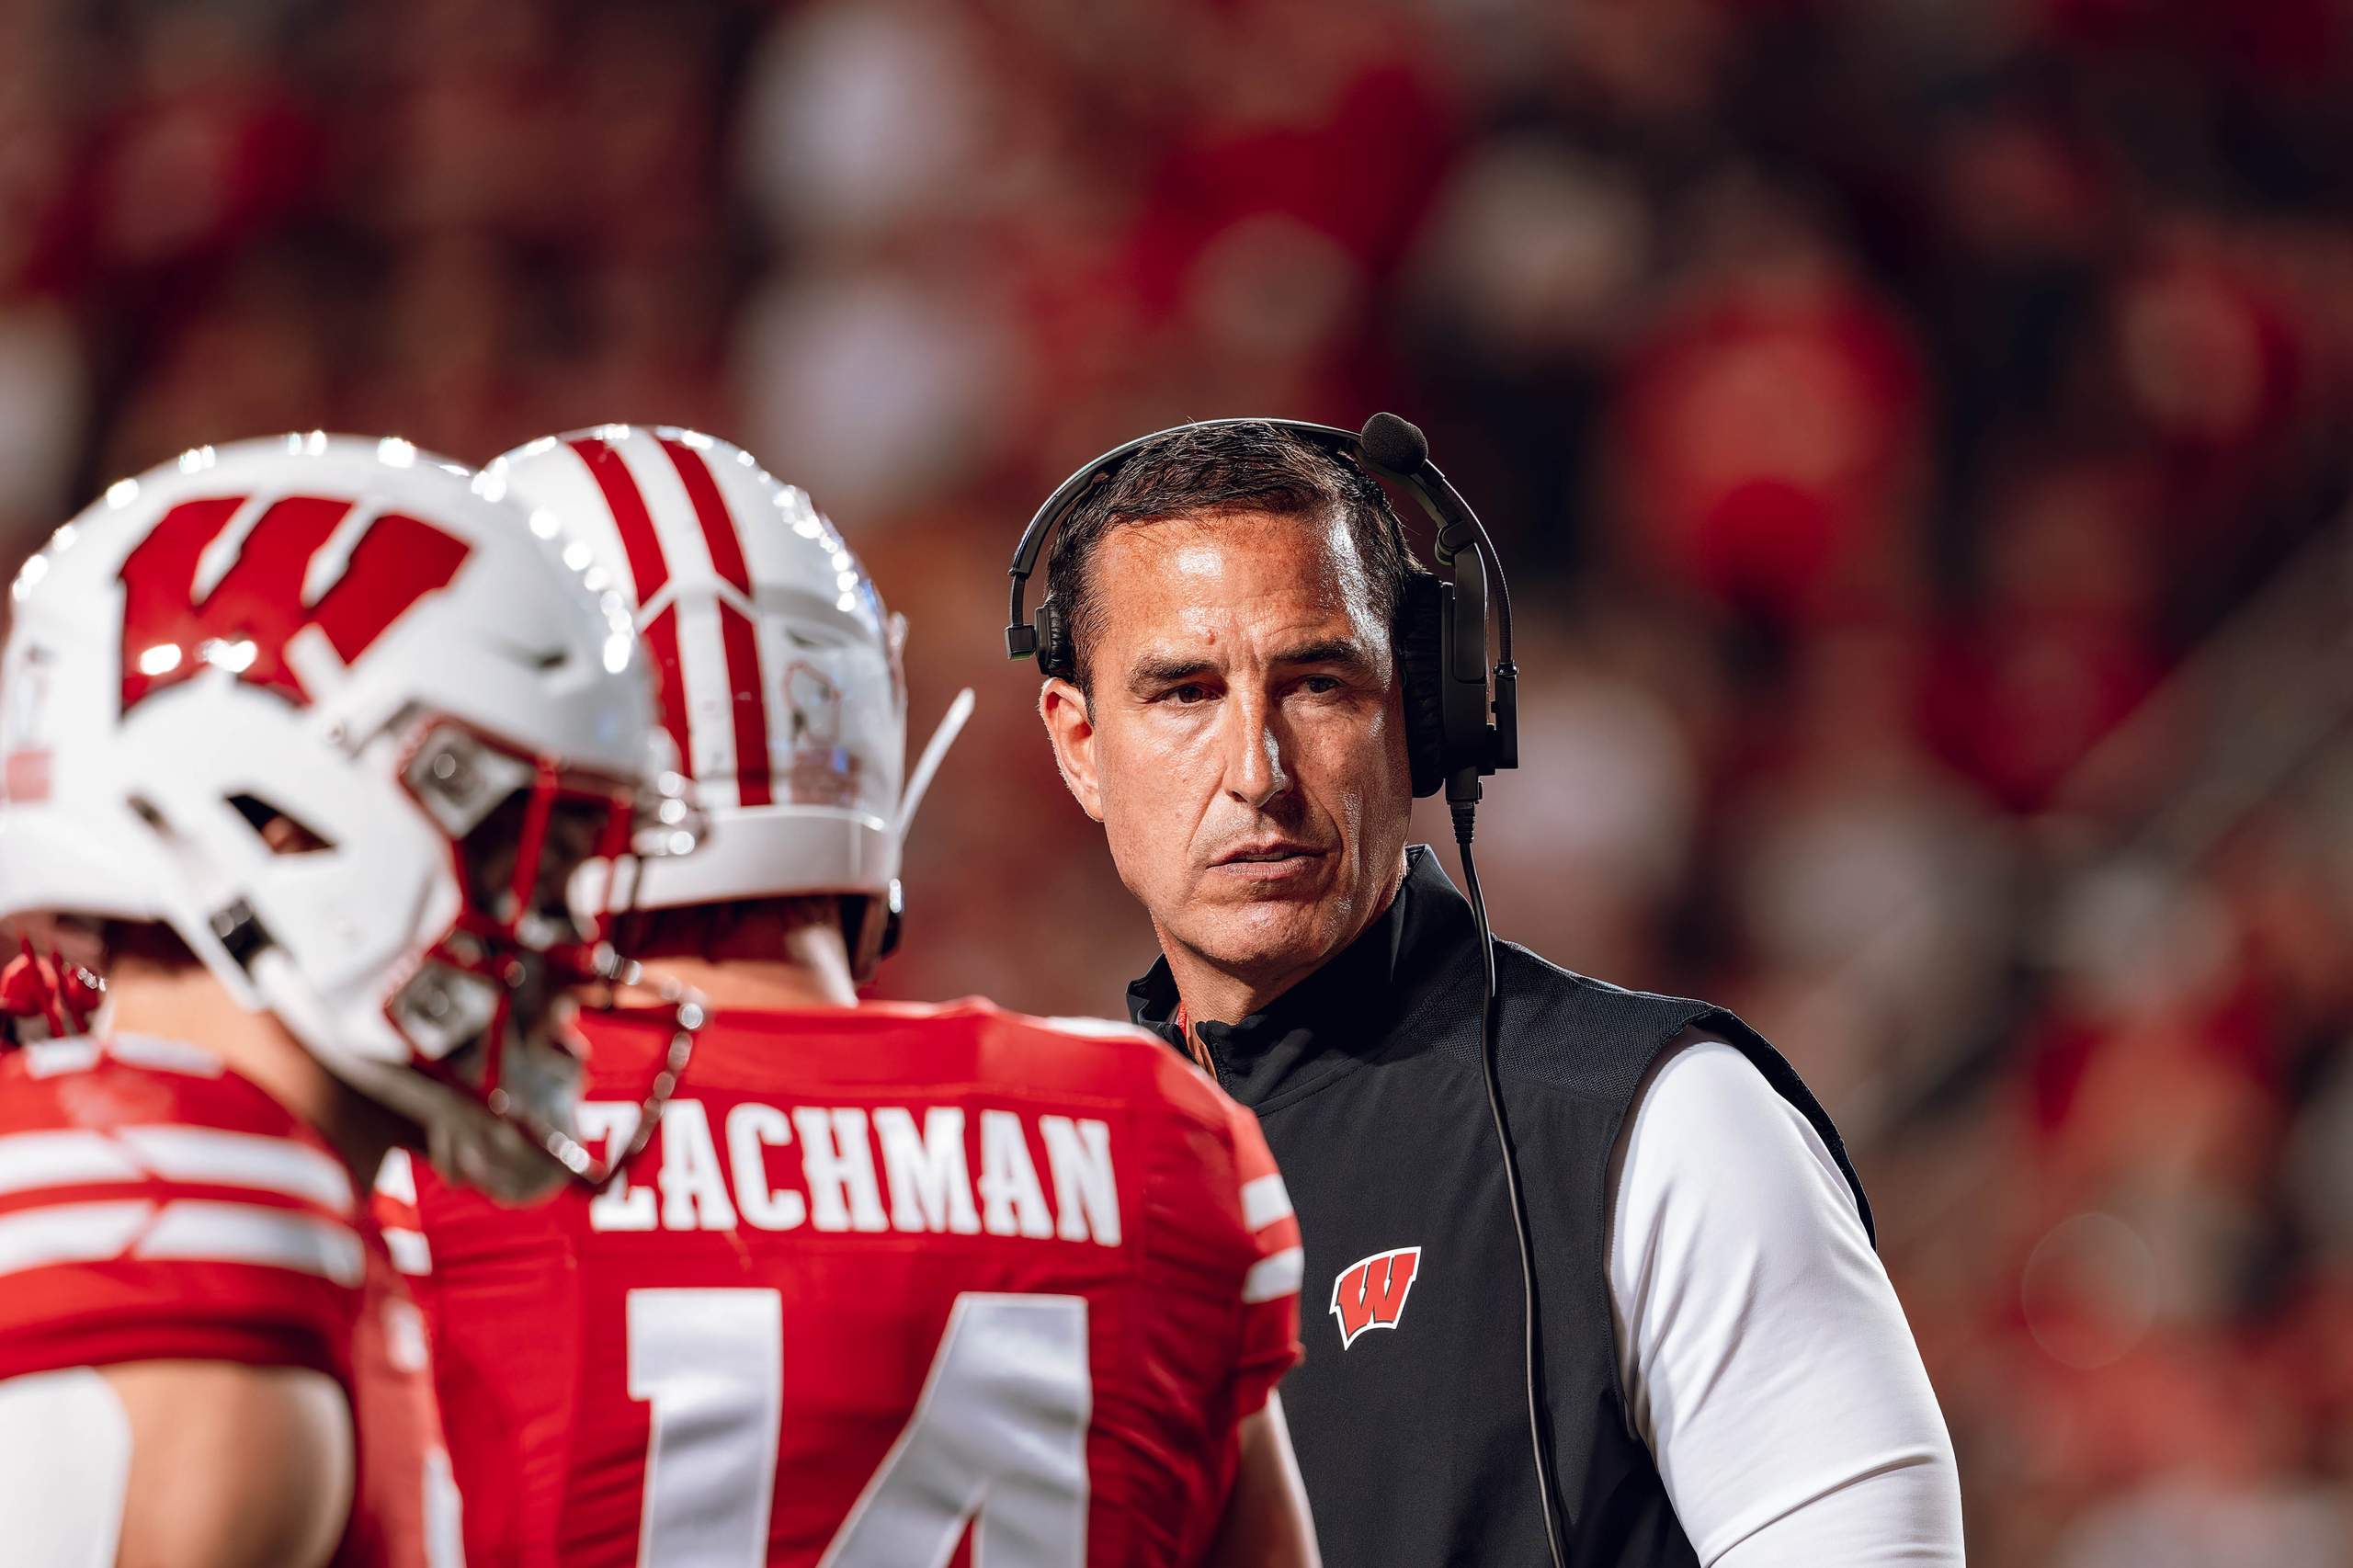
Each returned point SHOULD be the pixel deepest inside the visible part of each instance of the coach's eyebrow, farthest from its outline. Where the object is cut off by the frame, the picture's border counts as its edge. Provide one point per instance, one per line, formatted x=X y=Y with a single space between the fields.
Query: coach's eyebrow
x=1153 y=671
x=1343 y=653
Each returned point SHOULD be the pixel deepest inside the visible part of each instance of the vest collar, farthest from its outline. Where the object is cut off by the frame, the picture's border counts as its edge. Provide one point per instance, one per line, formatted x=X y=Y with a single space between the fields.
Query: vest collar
x=1345 y=1011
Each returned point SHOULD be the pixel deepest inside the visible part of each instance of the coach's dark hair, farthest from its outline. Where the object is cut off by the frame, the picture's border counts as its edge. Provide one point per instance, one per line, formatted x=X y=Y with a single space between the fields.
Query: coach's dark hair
x=1208 y=469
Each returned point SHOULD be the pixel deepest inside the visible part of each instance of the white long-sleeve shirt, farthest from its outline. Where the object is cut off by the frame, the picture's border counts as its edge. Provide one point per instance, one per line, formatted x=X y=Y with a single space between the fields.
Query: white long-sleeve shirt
x=1766 y=1359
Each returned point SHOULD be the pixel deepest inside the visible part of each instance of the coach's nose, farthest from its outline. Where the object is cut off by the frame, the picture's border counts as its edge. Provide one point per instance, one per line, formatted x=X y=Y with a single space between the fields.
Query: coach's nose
x=1255 y=770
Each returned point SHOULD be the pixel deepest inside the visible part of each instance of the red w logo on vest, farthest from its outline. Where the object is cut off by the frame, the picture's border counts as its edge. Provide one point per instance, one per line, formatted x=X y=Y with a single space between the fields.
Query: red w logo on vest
x=267 y=595
x=1370 y=1293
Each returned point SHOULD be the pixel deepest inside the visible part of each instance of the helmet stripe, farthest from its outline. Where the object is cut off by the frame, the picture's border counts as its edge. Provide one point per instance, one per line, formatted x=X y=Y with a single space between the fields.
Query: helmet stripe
x=748 y=696
x=710 y=510
x=647 y=567
x=649 y=570
x=661 y=639
x=753 y=784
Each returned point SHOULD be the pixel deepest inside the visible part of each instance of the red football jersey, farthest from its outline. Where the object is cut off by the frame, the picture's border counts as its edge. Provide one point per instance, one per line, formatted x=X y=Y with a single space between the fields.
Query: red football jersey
x=155 y=1206
x=888 y=1282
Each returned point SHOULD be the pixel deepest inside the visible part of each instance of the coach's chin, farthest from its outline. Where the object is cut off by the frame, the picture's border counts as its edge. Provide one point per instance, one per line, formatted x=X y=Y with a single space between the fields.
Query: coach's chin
x=1724 y=1363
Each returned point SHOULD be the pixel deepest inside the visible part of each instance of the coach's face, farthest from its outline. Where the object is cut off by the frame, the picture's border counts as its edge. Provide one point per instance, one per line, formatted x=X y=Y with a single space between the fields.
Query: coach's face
x=1243 y=747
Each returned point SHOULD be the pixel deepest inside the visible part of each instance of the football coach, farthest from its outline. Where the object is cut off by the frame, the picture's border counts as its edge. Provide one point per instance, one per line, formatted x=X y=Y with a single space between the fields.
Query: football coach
x=1721 y=1373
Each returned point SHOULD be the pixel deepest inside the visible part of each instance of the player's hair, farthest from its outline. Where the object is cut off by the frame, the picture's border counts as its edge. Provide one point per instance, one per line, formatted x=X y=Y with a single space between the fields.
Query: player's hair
x=732 y=928
x=1207 y=471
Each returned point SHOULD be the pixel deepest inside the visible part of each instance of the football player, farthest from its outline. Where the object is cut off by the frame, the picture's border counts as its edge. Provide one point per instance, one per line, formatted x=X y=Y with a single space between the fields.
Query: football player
x=892 y=1285
x=308 y=736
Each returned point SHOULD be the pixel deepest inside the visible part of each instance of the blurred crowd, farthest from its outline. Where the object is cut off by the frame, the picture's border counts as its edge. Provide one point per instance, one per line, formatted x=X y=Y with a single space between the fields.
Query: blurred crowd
x=1917 y=433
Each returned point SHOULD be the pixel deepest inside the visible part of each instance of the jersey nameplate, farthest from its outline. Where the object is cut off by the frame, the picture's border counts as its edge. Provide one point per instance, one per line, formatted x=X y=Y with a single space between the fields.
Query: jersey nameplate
x=851 y=1168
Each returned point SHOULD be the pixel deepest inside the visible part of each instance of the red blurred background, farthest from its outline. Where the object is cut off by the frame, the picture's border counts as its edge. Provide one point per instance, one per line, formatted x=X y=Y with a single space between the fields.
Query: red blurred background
x=1918 y=431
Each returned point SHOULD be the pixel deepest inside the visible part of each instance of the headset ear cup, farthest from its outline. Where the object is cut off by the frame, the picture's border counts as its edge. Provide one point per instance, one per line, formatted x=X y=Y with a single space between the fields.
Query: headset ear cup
x=1421 y=670
x=1054 y=641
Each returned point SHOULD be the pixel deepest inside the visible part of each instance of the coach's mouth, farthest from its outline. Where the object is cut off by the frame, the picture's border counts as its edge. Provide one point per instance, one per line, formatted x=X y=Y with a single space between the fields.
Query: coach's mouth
x=1272 y=860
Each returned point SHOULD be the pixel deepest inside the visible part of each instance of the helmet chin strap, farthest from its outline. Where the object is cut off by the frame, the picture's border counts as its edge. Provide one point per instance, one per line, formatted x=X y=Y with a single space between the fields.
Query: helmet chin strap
x=935 y=752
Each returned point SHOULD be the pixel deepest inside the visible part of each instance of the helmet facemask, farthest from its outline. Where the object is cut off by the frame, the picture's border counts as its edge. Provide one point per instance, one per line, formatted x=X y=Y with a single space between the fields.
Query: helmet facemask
x=487 y=1008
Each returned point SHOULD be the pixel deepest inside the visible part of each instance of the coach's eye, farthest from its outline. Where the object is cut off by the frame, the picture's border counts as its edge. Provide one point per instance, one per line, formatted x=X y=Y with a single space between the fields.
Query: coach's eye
x=1188 y=694
x=1321 y=685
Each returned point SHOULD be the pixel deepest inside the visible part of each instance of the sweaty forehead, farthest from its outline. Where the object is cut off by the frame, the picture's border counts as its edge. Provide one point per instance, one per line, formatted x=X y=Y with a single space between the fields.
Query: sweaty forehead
x=1275 y=573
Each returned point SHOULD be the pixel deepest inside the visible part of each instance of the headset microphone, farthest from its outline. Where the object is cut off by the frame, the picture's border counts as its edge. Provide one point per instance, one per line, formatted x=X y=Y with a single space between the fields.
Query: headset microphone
x=1394 y=445
x=1461 y=721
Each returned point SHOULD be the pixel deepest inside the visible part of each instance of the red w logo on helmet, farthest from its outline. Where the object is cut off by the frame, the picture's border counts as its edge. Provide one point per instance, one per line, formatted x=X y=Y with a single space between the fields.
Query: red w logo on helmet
x=267 y=595
x=1370 y=1292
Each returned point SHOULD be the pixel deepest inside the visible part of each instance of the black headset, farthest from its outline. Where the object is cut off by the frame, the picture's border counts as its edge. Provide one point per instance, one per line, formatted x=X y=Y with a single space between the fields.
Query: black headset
x=1462 y=724
x=1442 y=625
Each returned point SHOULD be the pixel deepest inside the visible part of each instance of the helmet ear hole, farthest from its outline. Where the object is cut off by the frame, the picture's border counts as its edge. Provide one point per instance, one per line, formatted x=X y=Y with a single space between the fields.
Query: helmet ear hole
x=280 y=829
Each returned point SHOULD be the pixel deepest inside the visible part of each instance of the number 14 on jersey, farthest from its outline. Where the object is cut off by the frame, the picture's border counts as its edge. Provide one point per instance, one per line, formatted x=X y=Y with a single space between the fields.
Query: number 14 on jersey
x=997 y=1441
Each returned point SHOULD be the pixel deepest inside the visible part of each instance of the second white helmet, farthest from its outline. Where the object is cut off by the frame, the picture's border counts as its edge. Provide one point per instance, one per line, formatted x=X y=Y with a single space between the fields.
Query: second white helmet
x=777 y=667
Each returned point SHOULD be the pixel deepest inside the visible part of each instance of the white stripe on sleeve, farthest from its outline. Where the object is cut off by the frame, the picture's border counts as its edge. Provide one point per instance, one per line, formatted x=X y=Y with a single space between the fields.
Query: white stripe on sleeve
x=1264 y=1201
x=69 y=1233
x=412 y=1254
x=65 y=1158
x=78 y=1157
x=1278 y=1274
x=193 y=1231
x=397 y=1178
x=243 y=1159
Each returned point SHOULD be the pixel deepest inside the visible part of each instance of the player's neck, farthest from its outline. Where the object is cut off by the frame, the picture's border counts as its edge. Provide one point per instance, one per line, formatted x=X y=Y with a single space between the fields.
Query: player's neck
x=811 y=970
x=188 y=1005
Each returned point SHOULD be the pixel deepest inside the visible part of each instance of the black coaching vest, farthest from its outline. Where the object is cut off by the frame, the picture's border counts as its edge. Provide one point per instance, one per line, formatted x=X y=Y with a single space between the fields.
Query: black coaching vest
x=1409 y=1412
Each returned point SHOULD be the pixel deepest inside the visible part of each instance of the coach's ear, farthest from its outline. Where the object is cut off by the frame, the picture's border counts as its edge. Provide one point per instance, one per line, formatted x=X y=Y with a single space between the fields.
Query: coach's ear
x=1063 y=707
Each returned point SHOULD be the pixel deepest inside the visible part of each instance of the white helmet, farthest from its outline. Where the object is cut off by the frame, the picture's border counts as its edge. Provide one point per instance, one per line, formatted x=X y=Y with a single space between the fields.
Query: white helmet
x=777 y=667
x=338 y=717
